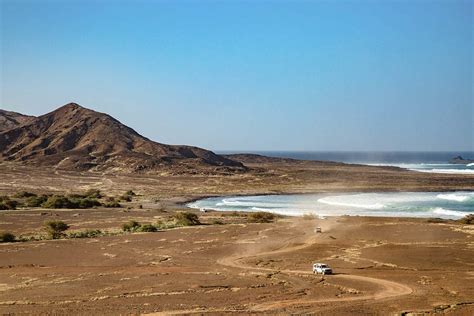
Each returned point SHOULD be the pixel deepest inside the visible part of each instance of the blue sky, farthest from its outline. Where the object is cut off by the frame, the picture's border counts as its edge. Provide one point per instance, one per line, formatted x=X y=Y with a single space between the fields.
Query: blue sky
x=251 y=75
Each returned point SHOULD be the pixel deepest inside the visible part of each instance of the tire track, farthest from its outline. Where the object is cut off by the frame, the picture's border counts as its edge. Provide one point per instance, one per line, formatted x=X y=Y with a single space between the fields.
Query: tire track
x=389 y=289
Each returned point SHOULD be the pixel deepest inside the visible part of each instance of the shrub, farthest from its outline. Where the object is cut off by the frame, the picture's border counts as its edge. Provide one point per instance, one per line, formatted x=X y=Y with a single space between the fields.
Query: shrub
x=87 y=203
x=58 y=201
x=131 y=226
x=217 y=222
x=7 y=237
x=125 y=198
x=90 y=233
x=35 y=201
x=112 y=204
x=147 y=228
x=186 y=219
x=468 y=219
x=56 y=229
x=7 y=204
x=24 y=194
x=93 y=194
x=165 y=225
x=261 y=217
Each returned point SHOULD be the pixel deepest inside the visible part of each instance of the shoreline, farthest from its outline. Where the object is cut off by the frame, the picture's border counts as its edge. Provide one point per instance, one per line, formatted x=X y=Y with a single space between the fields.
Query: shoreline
x=194 y=199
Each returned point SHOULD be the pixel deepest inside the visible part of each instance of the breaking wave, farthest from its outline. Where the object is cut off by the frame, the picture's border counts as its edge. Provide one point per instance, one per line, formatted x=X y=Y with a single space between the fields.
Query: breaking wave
x=451 y=171
x=458 y=197
x=396 y=204
x=375 y=206
x=442 y=211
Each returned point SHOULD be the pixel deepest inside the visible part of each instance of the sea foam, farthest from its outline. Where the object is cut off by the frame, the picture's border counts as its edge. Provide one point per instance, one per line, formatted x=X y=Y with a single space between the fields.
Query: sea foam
x=375 y=206
x=449 y=171
x=458 y=197
x=442 y=211
x=397 y=204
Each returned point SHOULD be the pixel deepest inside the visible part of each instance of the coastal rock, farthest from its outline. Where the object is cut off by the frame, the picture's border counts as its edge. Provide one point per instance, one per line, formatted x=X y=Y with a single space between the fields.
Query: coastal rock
x=461 y=161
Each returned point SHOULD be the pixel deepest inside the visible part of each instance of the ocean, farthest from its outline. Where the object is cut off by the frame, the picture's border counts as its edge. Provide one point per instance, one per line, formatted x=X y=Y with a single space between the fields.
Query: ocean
x=452 y=205
x=436 y=162
x=449 y=205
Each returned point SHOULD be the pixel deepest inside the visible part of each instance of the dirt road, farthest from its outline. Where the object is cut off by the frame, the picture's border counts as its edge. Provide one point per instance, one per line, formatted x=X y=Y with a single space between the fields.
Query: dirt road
x=388 y=289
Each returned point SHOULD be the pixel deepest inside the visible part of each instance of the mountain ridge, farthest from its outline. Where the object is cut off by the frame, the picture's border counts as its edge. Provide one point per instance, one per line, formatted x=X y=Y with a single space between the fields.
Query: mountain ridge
x=80 y=138
x=10 y=119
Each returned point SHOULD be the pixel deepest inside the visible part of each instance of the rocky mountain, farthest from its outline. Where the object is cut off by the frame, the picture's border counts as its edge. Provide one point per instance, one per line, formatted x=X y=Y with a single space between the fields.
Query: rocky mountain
x=10 y=120
x=79 y=138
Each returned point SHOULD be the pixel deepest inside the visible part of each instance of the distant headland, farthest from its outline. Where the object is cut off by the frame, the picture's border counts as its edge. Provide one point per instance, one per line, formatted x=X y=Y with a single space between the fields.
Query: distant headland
x=460 y=160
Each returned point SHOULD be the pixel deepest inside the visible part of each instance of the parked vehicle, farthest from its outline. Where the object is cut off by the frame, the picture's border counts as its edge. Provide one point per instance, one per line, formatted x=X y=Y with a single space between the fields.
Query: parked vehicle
x=321 y=268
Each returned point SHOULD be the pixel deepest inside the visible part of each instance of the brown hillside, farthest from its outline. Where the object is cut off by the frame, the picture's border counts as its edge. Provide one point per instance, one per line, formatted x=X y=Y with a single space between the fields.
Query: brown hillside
x=9 y=120
x=79 y=138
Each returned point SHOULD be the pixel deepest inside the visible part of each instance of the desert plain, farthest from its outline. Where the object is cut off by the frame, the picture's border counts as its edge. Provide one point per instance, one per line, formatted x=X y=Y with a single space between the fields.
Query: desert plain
x=230 y=264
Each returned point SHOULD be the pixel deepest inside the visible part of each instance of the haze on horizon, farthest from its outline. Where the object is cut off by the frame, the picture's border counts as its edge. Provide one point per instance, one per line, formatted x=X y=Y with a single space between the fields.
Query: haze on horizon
x=242 y=75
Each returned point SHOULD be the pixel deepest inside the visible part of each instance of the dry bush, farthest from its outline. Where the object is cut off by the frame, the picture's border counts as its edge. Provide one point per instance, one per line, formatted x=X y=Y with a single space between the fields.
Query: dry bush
x=261 y=217
x=7 y=237
x=56 y=229
x=186 y=219
x=148 y=228
x=131 y=226
x=468 y=219
x=90 y=233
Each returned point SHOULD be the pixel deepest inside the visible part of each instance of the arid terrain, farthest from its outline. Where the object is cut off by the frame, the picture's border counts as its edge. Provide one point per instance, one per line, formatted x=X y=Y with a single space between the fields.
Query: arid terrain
x=93 y=221
x=76 y=138
x=229 y=263
x=311 y=157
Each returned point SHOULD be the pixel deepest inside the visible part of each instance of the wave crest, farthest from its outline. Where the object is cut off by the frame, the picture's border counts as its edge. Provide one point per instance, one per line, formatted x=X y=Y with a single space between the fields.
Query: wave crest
x=449 y=171
x=442 y=211
x=375 y=206
x=455 y=197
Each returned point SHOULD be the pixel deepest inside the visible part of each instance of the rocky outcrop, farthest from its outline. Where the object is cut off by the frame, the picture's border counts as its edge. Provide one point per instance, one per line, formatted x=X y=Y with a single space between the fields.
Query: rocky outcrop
x=461 y=161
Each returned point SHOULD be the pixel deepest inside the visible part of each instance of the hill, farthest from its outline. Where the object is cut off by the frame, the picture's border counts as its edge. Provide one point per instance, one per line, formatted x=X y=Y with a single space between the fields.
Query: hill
x=79 y=138
x=9 y=120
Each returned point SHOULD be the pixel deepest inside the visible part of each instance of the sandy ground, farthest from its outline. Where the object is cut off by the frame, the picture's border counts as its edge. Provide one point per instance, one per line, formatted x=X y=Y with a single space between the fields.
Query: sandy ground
x=382 y=265
x=265 y=178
